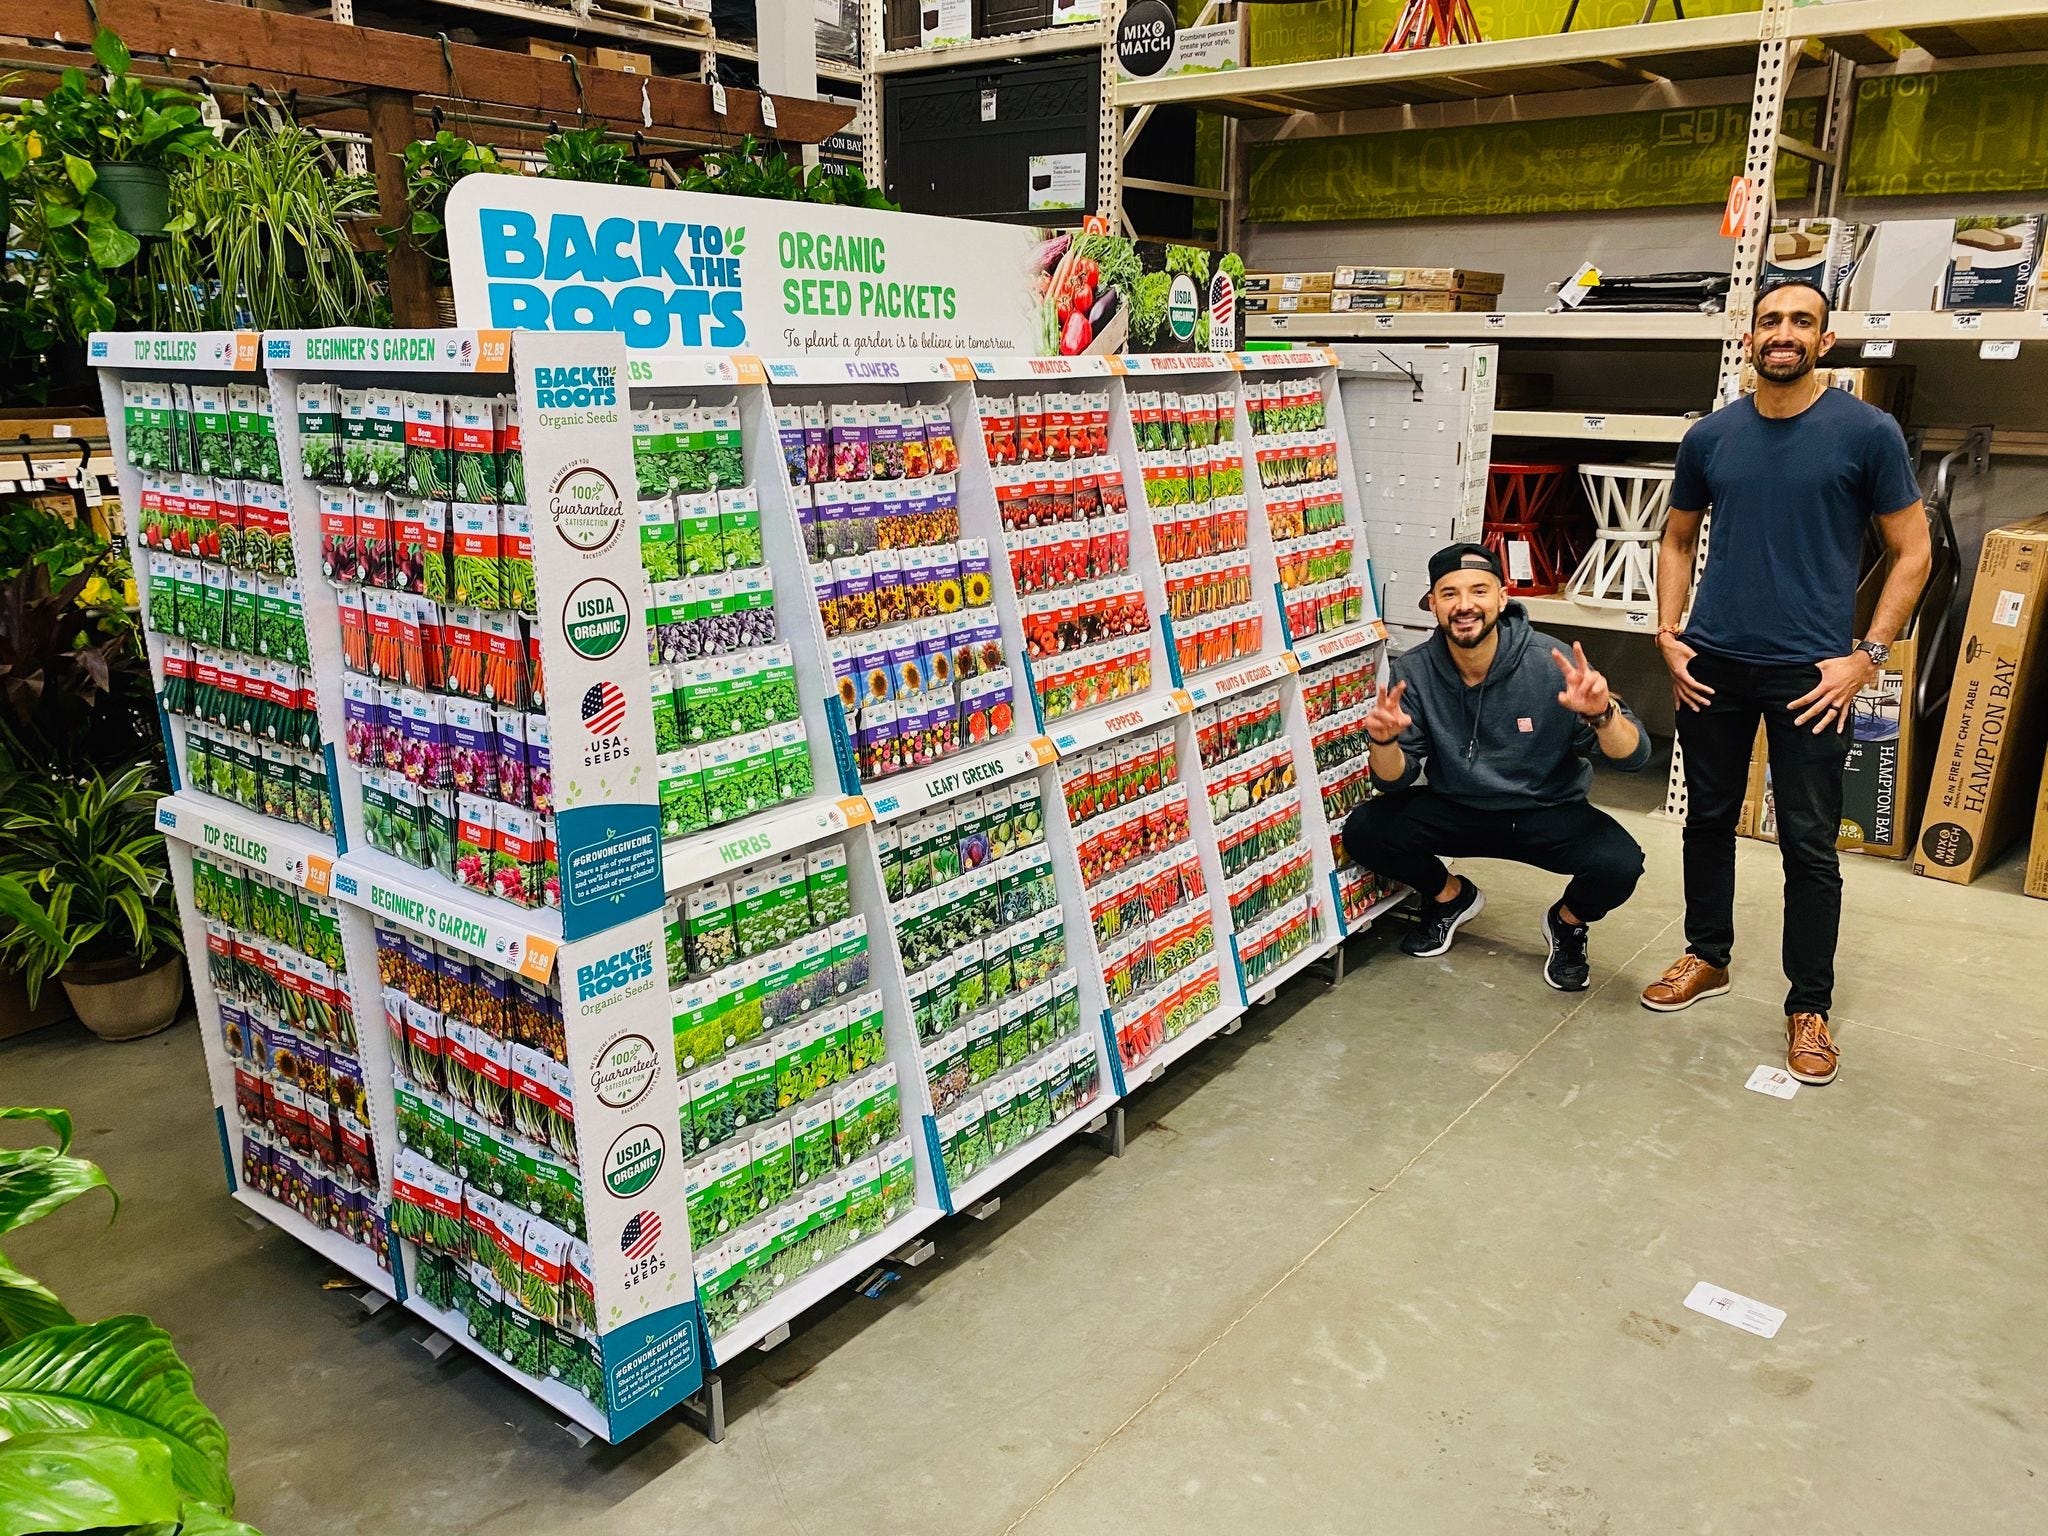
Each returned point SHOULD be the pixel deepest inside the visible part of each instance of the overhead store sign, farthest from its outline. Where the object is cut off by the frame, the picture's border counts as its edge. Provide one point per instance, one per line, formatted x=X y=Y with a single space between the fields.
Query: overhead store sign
x=735 y=274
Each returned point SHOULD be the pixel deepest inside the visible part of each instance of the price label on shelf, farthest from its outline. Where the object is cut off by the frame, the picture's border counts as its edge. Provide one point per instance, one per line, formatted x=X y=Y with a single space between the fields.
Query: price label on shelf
x=1998 y=351
x=1383 y=322
x=976 y=771
x=1496 y=322
x=1967 y=320
x=1595 y=423
x=768 y=111
x=1877 y=320
x=1267 y=669
x=713 y=853
x=474 y=923
x=1092 y=731
x=1875 y=350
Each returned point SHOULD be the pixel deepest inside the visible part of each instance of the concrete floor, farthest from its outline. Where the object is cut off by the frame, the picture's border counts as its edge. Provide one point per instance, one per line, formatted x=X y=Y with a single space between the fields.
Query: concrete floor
x=1405 y=1257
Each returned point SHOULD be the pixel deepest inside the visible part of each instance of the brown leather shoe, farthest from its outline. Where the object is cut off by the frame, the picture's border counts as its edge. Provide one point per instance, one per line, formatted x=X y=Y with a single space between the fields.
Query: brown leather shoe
x=1810 y=1053
x=1687 y=981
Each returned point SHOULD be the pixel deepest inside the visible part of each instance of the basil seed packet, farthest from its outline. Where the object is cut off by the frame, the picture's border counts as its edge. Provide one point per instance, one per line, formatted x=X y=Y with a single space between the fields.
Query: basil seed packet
x=711 y=1105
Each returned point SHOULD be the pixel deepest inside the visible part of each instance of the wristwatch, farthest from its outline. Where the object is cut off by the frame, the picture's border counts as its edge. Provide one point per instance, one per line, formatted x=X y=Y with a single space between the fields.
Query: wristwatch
x=1606 y=715
x=1877 y=653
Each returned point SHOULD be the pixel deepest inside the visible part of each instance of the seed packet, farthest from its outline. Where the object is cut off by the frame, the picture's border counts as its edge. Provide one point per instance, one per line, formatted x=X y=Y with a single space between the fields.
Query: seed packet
x=660 y=540
x=516 y=558
x=789 y=436
x=700 y=1005
x=475 y=425
x=513 y=772
x=827 y=885
x=475 y=568
x=710 y=937
x=475 y=841
x=429 y=470
x=181 y=427
x=739 y=527
x=850 y=438
x=810 y=1143
x=384 y=459
x=703 y=552
x=680 y=787
x=794 y=776
x=540 y=763
x=753 y=1084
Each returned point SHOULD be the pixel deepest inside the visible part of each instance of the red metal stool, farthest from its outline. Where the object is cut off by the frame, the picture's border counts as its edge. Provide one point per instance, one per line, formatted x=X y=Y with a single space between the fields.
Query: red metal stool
x=1432 y=24
x=1527 y=506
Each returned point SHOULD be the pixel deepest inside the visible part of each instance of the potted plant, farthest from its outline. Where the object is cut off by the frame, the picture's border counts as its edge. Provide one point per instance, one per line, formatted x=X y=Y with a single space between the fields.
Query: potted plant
x=75 y=691
x=263 y=235
x=119 y=138
x=100 y=1428
x=591 y=154
x=88 y=850
x=432 y=167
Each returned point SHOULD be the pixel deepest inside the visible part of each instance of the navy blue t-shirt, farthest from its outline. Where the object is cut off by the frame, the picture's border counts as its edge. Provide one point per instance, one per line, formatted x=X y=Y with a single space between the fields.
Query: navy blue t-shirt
x=1790 y=500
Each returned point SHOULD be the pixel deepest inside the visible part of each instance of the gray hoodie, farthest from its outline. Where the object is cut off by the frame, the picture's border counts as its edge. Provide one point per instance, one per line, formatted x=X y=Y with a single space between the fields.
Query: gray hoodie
x=1505 y=744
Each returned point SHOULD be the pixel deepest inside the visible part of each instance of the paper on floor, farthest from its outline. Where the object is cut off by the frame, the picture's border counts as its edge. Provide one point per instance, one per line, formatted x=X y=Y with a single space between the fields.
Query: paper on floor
x=1736 y=1311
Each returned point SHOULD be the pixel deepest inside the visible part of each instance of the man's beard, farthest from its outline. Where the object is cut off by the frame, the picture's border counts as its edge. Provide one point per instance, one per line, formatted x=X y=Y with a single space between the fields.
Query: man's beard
x=1785 y=373
x=1485 y=629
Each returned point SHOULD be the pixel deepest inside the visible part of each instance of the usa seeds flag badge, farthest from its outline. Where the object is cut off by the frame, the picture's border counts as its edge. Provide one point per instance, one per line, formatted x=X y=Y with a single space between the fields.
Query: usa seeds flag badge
x=604 y=708
x=640 y=1236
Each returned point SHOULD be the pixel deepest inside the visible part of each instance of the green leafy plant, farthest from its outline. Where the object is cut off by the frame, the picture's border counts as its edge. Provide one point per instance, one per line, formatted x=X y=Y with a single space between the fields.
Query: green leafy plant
x=75 y=690
x=261 y=237
x=752 y=169
x=52 y=153
x=591 y=154
x=89 y=852
x=432 y=167
x=100 y=1428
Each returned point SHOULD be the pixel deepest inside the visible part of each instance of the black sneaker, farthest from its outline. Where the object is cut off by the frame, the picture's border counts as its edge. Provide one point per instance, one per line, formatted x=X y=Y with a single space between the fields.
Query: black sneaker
x=1567 y=969
x=1438 y=922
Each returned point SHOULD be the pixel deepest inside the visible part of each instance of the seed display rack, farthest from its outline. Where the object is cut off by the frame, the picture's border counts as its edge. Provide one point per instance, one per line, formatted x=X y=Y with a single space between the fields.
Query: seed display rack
x=728 y=813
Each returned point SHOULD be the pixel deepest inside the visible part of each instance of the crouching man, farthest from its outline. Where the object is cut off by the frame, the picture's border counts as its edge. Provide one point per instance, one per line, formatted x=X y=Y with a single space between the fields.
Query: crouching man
x=1505 y=720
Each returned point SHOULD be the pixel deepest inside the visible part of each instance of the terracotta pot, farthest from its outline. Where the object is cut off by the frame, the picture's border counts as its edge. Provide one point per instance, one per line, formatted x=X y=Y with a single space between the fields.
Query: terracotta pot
x=117 y=1002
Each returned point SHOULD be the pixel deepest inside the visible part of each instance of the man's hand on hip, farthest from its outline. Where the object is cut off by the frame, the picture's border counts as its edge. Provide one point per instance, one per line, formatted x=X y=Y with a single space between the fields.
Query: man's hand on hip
x=1686 y=690
x=1828 y=703
x=1585 y=690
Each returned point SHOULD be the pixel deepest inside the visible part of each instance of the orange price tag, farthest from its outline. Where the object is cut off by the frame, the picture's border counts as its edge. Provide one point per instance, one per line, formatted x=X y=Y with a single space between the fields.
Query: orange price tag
x=1183 y=701
x=493 y=351
x=1735 y=217
x=538 y=963
x=1042 y=749
x=749 y=369
x=319 y=873
x=963 y=369
x=245 y=351
x=855 y=809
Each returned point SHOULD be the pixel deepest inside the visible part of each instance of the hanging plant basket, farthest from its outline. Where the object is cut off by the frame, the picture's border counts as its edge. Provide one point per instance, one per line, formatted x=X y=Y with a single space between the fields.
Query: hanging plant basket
x=141 y=195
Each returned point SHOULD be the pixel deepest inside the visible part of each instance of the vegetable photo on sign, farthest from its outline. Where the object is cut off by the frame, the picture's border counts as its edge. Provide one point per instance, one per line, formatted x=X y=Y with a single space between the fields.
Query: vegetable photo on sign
x=1103 y=294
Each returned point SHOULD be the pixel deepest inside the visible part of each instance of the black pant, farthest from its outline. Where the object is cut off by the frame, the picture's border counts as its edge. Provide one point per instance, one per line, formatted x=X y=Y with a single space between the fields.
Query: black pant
x=1806 y=783
x=1401 y=835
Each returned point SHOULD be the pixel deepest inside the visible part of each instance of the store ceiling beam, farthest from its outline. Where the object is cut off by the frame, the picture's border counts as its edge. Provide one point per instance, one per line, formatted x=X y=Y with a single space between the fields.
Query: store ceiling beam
x=1945 y=28
x=1606 y=56
x=306 y=47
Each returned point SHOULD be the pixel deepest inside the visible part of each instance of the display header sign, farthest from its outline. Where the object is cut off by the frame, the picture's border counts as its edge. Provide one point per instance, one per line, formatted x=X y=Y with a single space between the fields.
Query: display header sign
x=671 y=269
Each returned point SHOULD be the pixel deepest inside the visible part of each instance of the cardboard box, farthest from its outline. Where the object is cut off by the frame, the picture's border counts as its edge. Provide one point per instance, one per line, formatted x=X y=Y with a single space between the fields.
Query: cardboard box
x=1463 y=278
x=1902 y=266
x=1991 y=742
x=1287 y=282
x=2037 y=852
x=1414 y=301
x=552 y=49
x=622 y=59
x=1285 y=304
x=1991 y=262
x=1821 y=251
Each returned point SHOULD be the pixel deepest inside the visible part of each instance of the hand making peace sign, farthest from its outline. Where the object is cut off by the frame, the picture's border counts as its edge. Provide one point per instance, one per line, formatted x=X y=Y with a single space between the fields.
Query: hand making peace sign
x=1386 y=720
x=1585 y=691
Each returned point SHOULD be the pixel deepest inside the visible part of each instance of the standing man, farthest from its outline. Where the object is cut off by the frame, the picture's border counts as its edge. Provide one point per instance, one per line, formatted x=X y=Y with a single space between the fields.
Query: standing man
x=1794 y=474
x=1505 y=719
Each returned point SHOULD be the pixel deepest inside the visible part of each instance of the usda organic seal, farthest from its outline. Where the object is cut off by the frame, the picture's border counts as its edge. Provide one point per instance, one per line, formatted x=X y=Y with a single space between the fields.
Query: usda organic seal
x=1182 y=302
x=596 y=619
x=633 y=1160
